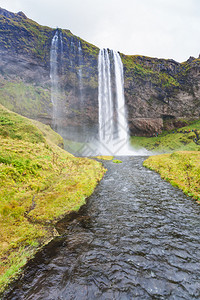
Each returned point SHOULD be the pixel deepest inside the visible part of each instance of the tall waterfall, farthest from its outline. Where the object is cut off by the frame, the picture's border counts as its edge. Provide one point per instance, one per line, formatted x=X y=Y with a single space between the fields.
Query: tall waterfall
x=56 y=46
x=113 y=128
x=80 y=75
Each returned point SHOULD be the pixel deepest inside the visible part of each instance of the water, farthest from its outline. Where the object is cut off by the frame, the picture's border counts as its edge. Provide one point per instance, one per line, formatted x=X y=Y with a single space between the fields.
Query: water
x=80 y=75
x=122 y=130
x=113 y=127
x=138 y=238
x=106 y=127
x=55 y=51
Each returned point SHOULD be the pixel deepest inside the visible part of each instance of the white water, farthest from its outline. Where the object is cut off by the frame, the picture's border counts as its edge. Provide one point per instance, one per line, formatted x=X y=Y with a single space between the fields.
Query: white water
x=80 y=75
x=106 y=130
x=122 y=130
x=113 y=127
x=54 y=77
x=55 y=51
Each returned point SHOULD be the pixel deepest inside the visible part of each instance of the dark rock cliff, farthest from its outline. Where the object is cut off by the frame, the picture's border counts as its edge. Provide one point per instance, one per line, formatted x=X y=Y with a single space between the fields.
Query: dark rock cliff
x=159 y=93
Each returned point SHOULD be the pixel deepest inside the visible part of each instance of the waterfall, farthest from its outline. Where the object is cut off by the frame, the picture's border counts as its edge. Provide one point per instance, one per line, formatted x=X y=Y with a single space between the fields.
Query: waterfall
x=105 y=98
x=80 y=75
x=54 y=76
x=56 y=53
x=113 y=128
x=122 y=130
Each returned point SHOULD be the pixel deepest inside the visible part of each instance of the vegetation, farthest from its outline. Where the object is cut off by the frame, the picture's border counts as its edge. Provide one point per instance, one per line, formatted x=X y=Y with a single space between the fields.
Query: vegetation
x=117 y=161
x=149 y=69
x=26 y=35
x=169 y=141
x=89 y=48
x=181 y=169
x=25 y=99
x=105 y=157
x=39 y=184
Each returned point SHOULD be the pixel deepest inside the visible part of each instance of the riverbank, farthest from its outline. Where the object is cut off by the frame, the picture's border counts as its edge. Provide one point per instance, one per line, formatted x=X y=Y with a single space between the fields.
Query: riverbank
x=181 y=169
x=168 y=142
x=39 y=184
x=137 y=238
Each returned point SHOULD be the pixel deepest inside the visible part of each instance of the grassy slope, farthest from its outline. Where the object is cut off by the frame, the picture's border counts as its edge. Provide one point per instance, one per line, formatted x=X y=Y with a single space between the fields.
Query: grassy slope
x=170 y=142
x=181 y=169
x=23 y=98
x=39 y=183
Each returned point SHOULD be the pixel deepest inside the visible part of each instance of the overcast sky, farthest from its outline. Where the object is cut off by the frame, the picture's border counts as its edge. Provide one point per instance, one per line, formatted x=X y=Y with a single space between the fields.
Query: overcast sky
x=156 y=28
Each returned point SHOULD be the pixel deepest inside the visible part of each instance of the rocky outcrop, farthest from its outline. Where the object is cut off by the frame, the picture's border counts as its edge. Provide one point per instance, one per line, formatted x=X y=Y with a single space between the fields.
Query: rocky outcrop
x=159 y=93
x=163 y=92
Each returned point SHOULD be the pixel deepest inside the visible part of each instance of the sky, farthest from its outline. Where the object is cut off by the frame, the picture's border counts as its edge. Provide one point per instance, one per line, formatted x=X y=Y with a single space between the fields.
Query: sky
x=157 y=28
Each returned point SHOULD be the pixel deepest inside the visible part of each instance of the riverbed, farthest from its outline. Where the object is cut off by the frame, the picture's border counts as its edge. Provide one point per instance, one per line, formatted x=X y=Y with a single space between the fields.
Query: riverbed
x=137 y=238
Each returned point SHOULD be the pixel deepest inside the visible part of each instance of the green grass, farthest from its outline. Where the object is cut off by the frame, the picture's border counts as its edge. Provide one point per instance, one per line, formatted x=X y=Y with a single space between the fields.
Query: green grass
x=117 y=161
x=105 y=157
x=147 y=68
x=24 y=98
x=169 y=142
x=181 y=169
x=39 y=184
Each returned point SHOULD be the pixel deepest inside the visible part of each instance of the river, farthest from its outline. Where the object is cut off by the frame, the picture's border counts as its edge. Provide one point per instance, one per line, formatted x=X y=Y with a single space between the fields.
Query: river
x=138 y=238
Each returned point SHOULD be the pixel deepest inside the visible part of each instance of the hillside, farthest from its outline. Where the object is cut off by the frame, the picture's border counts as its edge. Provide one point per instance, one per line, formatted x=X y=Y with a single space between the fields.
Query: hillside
x=40 y=184
x=159 y=93
x=181 y=139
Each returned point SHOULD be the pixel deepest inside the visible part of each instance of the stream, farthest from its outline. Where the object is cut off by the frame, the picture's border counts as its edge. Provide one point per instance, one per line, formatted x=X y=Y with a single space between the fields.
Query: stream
x=137 y=238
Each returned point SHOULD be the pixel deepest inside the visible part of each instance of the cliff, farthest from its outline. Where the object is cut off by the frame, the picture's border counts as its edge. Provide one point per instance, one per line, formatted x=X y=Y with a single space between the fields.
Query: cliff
x=159 y=93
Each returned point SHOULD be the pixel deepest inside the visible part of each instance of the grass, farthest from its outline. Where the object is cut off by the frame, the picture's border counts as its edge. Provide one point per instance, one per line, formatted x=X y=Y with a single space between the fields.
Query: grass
x=105 y=157
x=39 y=184
x=169 y=142
x=117 y=161
x=25 y=98
x=181 y=169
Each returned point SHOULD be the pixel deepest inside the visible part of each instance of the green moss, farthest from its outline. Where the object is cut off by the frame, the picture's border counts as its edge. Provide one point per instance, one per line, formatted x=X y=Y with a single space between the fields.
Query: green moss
x=39 y=184
x=25 y=99
x=146 y=68
x=181 y=169
x=89 y=48
x=104 y=157
x=169 y=142
x=117 y=161
x=26 y=35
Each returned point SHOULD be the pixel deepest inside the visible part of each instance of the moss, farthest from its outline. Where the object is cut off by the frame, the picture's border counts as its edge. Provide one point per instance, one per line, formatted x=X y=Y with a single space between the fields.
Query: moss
x=149 y=69
x=89 y=48
x=39 y=184
x=117 y=161
x=24 y=98
x=26 y=36
x=104 y=157
x=181 y=169
x=169 y=141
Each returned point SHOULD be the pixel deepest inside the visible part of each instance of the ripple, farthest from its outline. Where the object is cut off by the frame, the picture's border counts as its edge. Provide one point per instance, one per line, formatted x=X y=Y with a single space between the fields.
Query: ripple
x=141 y=242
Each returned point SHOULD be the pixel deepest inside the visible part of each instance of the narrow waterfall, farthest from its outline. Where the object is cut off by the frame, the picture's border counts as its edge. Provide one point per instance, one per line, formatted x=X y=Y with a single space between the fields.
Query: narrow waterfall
x=106 y=132
x=113 y=128
x=56 y=55
x=122 y=130
x=54 y=77
x=80 y=75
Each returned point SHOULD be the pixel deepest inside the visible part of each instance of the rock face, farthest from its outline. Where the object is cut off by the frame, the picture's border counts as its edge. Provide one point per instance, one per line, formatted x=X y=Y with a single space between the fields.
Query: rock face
x=159 y=93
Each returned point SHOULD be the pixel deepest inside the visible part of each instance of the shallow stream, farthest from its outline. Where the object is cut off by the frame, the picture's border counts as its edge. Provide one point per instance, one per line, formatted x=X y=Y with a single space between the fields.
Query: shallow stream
x=138 y=238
